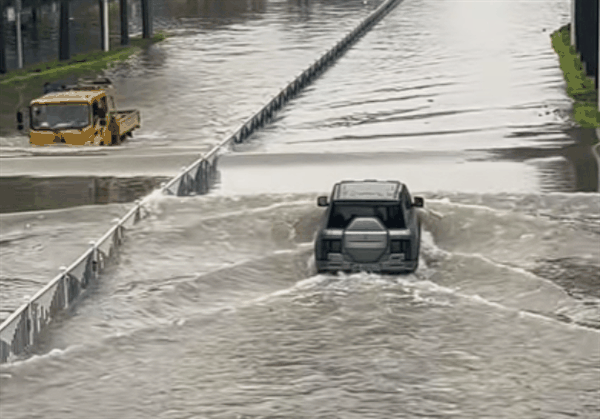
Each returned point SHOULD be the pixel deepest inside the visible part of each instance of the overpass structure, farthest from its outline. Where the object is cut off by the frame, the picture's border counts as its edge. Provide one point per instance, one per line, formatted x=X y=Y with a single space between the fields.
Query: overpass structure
x=21 y=330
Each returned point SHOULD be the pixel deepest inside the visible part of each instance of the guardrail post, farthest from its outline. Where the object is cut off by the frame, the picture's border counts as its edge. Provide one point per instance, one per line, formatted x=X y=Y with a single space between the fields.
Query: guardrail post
x=95 y=262
x=116 y=237
x=20 y=333
x=138 y=215
x=63 y=279
x=121 y=235
x=31 y=324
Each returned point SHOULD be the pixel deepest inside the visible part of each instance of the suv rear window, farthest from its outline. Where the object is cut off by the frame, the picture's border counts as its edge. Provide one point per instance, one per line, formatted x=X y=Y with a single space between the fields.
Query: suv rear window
x=342 y=214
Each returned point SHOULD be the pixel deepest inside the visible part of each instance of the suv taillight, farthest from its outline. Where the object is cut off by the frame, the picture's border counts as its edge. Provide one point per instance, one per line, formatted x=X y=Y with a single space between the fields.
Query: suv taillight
x=330 y=246
x=400 y=246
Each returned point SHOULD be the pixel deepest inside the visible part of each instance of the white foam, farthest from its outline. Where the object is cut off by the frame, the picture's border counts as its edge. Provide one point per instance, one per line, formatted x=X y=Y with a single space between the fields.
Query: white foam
x=447 y=201
x=284 y=251
x=55 y=353
x=249 y=211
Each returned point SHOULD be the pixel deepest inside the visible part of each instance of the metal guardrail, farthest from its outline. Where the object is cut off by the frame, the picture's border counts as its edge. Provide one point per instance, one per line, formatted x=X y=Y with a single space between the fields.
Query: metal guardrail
x=21 y=330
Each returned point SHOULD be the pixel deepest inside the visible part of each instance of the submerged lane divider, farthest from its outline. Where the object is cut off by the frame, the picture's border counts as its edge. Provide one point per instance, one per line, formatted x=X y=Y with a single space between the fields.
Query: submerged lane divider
x=200 y=175
x=22 y=328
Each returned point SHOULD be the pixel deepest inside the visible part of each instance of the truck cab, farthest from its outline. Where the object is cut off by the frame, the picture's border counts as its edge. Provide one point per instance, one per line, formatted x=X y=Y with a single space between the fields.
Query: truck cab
x=369 y=226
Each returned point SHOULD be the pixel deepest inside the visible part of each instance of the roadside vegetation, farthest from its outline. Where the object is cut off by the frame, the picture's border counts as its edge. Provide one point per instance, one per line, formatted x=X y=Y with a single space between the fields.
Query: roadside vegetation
x=19 y=87
x=579 y=87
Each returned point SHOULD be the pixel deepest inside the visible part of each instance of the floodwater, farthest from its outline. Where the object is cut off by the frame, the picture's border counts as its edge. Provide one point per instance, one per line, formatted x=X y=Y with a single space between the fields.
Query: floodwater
x=215 y=311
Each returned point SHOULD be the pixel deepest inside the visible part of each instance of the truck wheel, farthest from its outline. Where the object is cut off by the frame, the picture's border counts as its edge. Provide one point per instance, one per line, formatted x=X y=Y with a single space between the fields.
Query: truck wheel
x=115 y=139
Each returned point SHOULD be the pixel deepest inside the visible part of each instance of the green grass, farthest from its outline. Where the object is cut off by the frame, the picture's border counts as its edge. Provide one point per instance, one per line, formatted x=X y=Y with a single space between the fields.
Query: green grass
x=579 y=86
x=19 y=87
x=78 y=64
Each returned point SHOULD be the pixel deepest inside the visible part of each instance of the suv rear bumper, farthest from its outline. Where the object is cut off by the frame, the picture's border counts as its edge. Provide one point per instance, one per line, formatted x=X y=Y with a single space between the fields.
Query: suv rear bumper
x=389 y=266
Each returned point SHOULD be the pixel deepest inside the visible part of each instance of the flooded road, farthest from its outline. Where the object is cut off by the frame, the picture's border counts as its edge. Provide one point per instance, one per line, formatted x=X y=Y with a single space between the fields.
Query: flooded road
x=215 y=309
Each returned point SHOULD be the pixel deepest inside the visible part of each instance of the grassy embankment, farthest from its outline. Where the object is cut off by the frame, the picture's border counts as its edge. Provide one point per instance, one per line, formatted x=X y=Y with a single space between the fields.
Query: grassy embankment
x=579 y=87
x=19 y=87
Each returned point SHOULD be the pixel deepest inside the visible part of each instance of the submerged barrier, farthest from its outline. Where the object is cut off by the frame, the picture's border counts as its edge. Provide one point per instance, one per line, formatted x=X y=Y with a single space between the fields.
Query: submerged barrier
x=22 y=328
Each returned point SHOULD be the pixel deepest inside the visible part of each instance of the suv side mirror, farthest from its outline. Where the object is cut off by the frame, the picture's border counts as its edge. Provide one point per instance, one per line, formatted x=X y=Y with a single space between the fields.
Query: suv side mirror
x=418 y=202
x=322 y=201
x=20 y=121
x=102 y=122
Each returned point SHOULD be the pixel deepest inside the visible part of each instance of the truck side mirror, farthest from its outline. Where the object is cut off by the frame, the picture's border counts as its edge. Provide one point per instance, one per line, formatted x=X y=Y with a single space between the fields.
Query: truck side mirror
x=20 y=121
x=418 y=202
x=322 y=201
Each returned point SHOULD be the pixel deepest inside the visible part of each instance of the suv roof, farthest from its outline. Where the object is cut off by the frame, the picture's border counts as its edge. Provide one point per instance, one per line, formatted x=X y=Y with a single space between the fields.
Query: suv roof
x=367 y=190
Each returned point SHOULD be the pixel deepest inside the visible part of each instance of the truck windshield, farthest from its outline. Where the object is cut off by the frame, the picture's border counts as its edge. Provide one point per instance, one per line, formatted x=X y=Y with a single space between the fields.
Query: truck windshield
x=390 y=214
x=60 y=116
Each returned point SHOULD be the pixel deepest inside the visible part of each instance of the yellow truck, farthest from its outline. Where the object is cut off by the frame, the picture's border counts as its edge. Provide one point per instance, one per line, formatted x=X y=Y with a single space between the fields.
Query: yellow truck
x=84 y=114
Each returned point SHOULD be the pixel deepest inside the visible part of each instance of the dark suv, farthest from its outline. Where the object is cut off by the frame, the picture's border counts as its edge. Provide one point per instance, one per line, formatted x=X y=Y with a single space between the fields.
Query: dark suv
x=369 y=226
